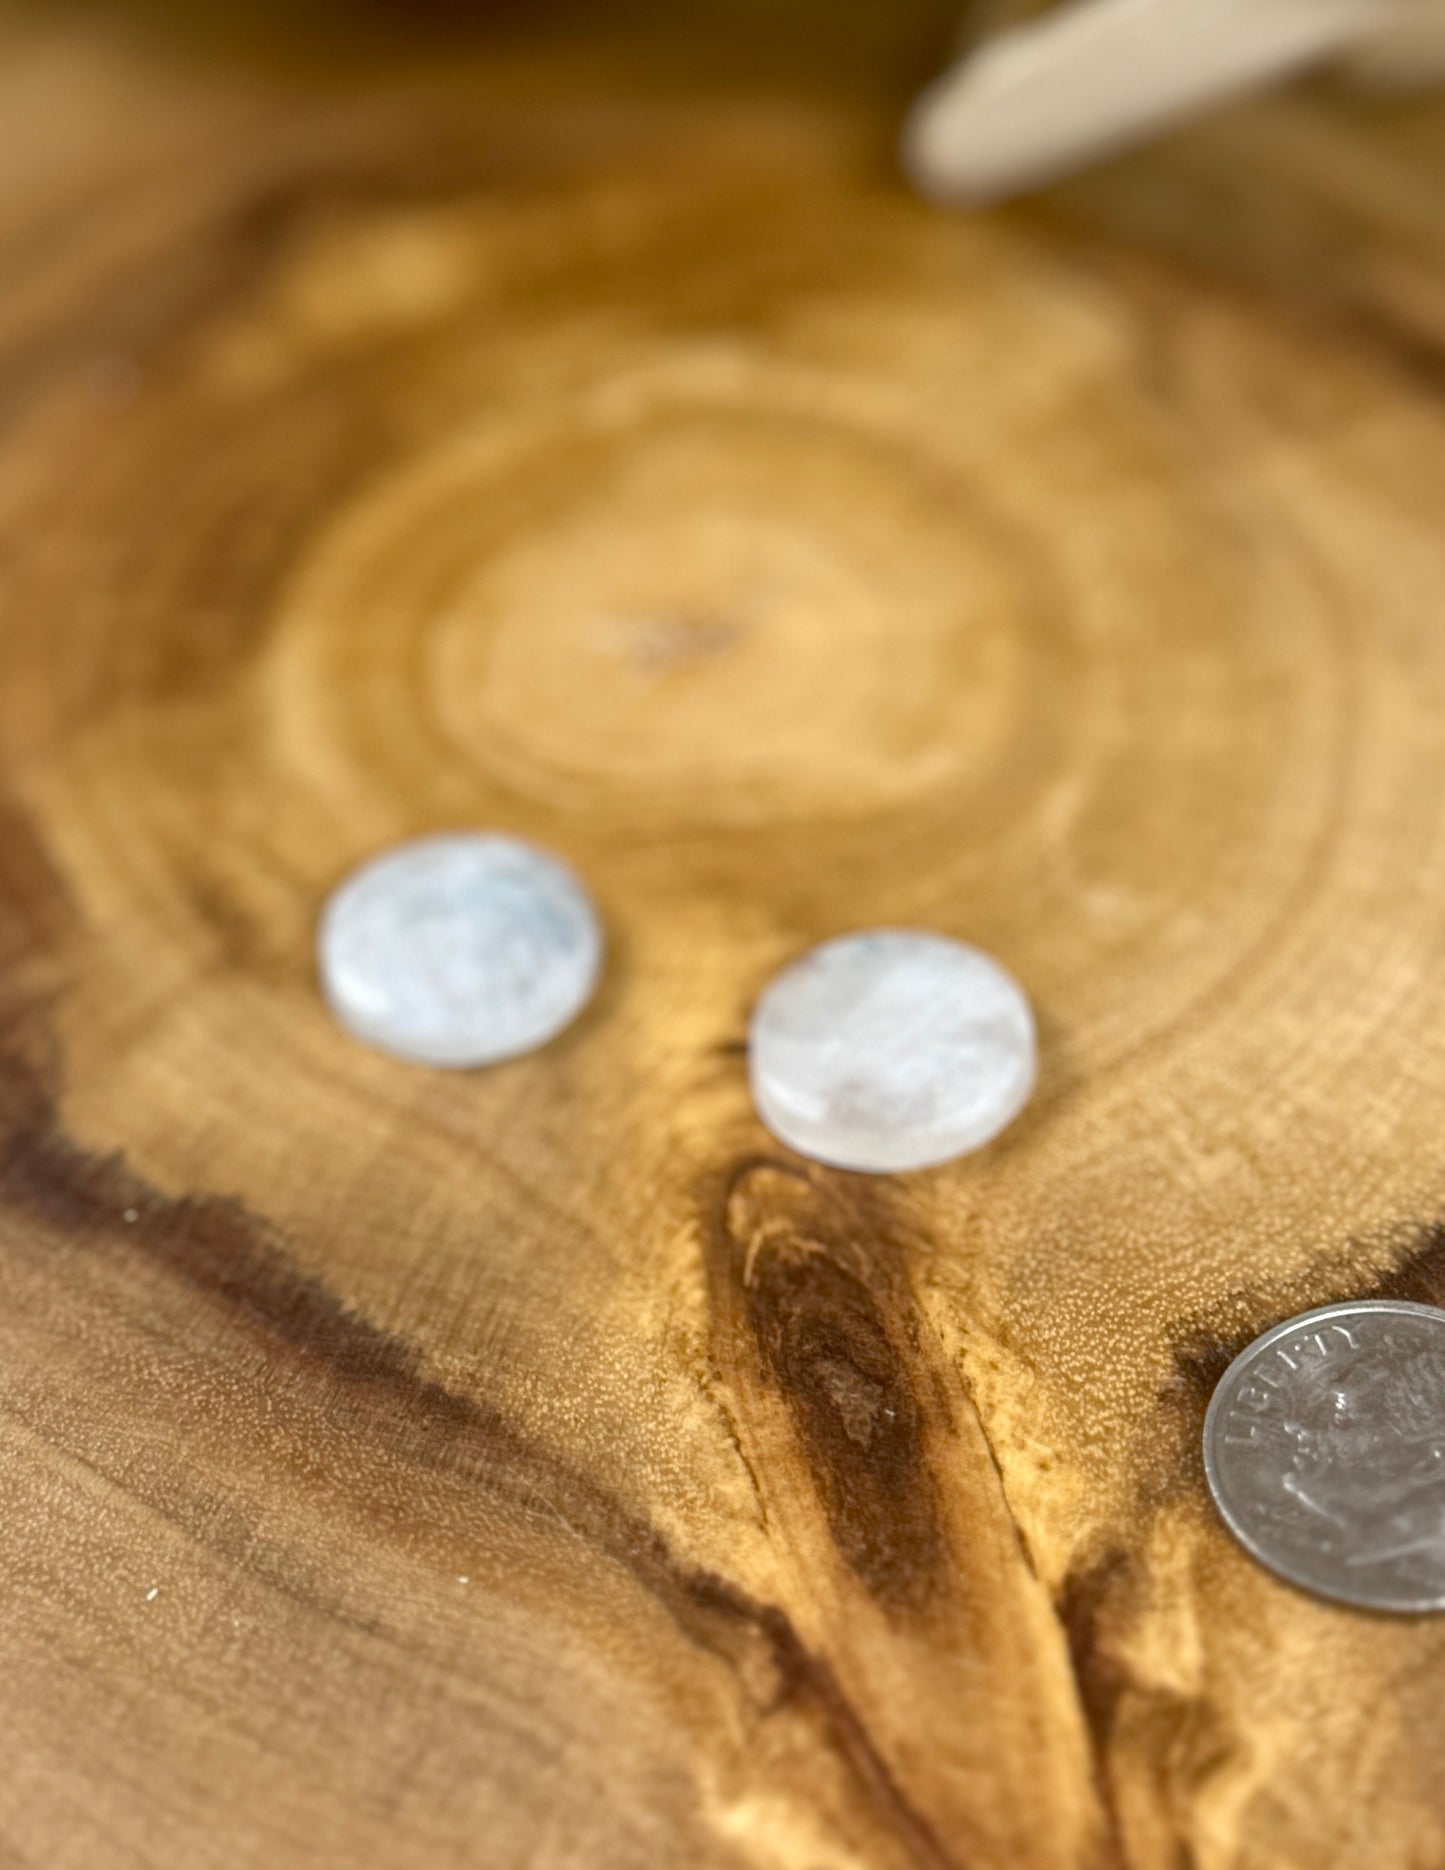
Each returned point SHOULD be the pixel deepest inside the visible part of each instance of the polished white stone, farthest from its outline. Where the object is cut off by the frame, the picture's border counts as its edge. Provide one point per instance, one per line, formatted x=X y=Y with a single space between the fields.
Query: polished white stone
x=459 y=949
x=891 y=1050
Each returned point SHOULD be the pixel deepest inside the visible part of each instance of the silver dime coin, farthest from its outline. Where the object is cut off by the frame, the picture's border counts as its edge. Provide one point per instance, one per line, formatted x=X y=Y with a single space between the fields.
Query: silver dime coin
x=1324 y=1445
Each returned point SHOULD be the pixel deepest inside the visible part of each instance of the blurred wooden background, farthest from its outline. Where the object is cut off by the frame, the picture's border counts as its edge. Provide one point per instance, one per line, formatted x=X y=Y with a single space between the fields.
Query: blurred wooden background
x=566 y=421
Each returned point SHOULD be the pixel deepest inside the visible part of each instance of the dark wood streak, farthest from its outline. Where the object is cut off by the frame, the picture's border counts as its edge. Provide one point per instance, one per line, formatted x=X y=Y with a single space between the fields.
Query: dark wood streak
x=813 y=1278
x=239 y=1263
x=1179 y=1739
x=1086 y=1595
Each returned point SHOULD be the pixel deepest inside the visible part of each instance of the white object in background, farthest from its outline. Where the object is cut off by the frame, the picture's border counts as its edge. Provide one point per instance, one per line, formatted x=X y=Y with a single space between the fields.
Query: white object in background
x=459 y=950
x=1092 y=76
x=891 y=1050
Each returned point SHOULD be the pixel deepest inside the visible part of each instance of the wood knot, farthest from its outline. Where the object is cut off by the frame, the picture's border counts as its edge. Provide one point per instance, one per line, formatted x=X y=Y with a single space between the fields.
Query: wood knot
x=819 y=1295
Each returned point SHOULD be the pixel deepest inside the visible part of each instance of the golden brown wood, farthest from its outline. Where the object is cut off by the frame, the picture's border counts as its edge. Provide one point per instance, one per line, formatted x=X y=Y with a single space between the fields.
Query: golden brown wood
x=540 y=1468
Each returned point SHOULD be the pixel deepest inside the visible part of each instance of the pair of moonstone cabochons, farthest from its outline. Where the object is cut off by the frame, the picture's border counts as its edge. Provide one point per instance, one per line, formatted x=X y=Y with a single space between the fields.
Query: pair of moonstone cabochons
x=886 y=1050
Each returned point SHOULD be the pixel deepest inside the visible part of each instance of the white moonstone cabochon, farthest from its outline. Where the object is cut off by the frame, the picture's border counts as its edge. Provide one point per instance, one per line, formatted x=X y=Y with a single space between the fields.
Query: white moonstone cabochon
x=891 y=1049
x=459 y=949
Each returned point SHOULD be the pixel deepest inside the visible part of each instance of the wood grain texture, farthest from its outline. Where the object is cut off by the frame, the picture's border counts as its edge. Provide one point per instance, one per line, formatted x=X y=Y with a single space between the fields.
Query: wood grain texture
x=540 y=1467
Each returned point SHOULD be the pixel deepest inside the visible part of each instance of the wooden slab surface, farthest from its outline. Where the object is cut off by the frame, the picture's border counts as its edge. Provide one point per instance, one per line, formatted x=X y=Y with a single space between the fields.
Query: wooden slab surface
x=587 y=435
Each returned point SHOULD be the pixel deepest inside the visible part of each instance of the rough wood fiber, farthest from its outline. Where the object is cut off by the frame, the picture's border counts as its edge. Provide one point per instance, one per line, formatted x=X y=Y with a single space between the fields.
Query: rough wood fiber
x=539 y=1468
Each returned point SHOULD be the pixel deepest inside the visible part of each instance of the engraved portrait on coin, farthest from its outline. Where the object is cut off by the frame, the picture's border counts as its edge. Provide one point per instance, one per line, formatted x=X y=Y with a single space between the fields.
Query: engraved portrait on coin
x=1324 y=1445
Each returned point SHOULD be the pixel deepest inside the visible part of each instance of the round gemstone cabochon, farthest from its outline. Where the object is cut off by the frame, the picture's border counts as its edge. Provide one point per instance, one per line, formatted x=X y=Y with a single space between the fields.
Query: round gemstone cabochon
x=891 y=1049
x=459 y=949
